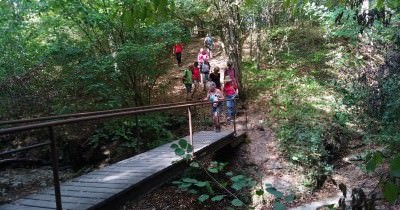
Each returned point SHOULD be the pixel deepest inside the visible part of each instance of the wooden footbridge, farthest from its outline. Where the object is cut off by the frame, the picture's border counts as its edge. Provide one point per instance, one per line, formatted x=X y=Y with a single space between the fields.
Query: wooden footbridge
x=109 y=187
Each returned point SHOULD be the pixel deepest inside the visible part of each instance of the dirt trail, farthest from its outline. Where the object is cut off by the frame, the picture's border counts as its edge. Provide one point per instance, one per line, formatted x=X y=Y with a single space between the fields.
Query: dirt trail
x=170 y=87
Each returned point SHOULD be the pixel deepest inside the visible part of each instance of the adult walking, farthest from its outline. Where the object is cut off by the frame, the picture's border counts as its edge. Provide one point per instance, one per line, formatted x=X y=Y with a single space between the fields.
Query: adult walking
x=230 y=92
x=209 y=43
x=216 y=77
x=177 y=50
x=230 y=71
x=187 y=80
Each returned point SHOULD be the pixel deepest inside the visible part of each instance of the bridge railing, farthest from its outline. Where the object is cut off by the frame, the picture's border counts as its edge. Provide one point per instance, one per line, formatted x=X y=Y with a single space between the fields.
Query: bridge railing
x=52 y=121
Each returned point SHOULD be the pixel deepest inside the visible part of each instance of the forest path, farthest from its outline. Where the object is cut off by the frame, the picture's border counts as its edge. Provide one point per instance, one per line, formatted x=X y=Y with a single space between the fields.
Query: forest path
x=170 y=87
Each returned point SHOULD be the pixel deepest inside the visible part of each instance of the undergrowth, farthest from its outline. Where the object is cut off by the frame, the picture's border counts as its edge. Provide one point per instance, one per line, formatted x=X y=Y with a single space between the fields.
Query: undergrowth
x=305 y=109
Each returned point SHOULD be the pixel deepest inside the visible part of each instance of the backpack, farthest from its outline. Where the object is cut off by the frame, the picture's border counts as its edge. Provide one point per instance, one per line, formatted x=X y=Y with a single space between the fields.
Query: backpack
x=209 y=41
x=205 y=68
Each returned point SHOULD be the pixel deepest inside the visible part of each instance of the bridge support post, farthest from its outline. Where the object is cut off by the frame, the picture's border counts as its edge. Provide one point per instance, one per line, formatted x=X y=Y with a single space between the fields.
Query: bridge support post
x=56 y=179
x=190 y=128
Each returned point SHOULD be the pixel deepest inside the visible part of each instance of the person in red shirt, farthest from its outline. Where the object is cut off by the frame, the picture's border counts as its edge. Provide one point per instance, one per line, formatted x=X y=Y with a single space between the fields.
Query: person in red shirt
x=230 y=92
x=177 y=50
x=196 y=77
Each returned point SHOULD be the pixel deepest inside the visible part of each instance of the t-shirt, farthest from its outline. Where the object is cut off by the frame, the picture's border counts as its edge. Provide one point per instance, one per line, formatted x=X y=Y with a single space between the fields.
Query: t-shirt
x=215 y=96
x=205 y=68
x=178 y=48
x=230 y=89
x=231 y=73
x=196 y=74
x=208 y=41
x=187 y=77
x=216 y=79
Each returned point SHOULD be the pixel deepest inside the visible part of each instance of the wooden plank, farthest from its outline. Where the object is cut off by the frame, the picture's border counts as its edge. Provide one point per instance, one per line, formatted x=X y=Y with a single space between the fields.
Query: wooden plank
x=51 y=204
x=68 y=199
x=71 y=193
x=67 y=189
x=99 y=185
x=20 y=207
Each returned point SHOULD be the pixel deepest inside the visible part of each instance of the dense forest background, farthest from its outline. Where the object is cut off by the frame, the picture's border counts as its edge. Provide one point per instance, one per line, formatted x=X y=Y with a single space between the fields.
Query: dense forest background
x=326 y=73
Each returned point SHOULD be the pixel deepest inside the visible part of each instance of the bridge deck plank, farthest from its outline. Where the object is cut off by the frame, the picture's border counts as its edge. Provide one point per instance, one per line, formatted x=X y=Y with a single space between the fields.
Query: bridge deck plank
x=93 y=189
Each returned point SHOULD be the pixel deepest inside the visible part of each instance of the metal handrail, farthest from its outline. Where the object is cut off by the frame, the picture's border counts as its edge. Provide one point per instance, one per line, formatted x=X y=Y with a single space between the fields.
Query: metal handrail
x=102 y=116
x=82 y=114
x=81 y=117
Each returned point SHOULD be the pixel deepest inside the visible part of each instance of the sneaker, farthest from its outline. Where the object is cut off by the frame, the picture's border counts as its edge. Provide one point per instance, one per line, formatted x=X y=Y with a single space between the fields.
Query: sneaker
x=218 y=129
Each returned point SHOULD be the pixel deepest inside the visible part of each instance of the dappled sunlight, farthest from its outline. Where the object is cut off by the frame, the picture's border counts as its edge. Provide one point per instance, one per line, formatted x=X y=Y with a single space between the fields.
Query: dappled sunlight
x=117 y=176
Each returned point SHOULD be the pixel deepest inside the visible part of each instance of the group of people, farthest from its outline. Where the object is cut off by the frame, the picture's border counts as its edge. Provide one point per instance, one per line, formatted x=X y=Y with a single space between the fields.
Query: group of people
x=199 y=73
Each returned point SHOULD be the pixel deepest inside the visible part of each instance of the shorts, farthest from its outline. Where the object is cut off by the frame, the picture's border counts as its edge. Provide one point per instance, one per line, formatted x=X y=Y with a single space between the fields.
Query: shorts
x=195 y=81
x=188 y=88
x=205 y=77
x=217 y=110
x=209 y=47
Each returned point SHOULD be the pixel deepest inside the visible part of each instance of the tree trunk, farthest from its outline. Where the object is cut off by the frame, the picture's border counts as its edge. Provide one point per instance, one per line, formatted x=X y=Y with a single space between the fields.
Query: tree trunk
x=258 y=46
x=232 y=34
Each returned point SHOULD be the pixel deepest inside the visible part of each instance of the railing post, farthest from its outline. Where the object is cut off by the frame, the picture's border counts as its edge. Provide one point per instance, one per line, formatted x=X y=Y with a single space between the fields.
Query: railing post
x=234 y=115
x=137 y=134
x=190 y=129
x=245 y=111
x=56 y=179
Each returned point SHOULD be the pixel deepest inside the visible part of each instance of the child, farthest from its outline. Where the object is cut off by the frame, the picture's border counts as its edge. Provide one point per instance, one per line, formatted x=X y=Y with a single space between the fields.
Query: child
x=195 y=77
x=215 y=95
x=230 y=92
x=216 y=77
x=187 y=81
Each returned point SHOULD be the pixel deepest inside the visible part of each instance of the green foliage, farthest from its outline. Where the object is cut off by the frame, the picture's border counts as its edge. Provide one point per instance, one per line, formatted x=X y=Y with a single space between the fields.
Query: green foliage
x=207 y=187
x=280 y=199
x=153 y=131
x=184 y=150
x=390 y=190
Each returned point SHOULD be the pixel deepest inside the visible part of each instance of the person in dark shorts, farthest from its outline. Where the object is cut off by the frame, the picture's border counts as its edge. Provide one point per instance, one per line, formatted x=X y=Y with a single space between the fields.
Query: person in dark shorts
x=177 y=50
x=215 y=96
x=187 y=81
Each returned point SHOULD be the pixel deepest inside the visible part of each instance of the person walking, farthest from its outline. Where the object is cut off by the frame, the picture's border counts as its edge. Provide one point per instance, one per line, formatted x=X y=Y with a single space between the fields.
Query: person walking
x=230 y=71
x=215 y=77
x=209 y=44
x=177 y=50
x=187 y=80
x=205 y=71
x=196 y=77
x=230 y=92
x=215 y=96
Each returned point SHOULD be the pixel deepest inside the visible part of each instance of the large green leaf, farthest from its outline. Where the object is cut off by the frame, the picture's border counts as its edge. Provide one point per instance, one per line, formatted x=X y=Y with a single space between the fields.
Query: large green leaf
x=182 y=143
x=203 y=197
x=279 y=206
x=275 y=192
x=289 y=198
x=194 y=165
x=236 y=202
x=213 y=170
x=260 y=192
x=390 y=192
x=179 y=152
x=190 y=180
x=395 y=166
x=218 y=197
x=374 y=161
x=201 y=184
